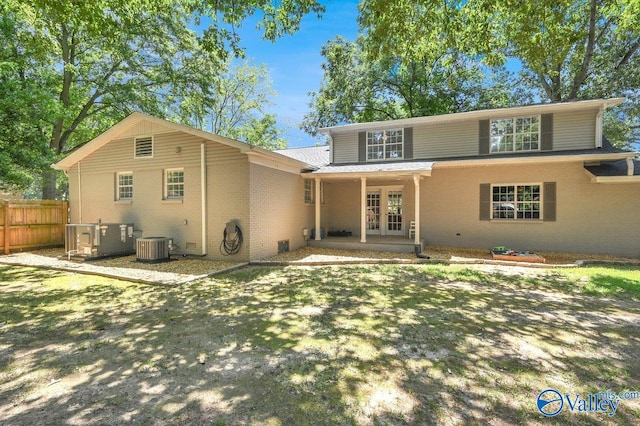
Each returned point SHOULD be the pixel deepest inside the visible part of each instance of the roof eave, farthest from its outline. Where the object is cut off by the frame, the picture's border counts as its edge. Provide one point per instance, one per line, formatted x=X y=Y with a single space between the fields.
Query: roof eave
x=564 y=158
x=372 y=174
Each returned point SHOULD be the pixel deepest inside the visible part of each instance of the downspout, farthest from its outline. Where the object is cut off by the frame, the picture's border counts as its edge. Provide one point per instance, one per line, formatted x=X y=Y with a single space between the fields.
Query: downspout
x=331 y=159
x=599 y=128
x=203 y=196
x=79 y=194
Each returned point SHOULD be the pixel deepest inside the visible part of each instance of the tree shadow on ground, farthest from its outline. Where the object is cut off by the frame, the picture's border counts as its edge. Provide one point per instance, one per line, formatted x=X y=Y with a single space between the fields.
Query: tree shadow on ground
x=323 y=345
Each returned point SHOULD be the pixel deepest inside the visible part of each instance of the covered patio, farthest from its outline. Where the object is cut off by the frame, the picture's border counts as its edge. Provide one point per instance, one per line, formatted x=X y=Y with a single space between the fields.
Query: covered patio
x=378 y=204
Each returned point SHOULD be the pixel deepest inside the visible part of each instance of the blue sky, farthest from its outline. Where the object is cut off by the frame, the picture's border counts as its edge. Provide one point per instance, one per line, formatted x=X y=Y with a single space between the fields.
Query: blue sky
x=294 y=62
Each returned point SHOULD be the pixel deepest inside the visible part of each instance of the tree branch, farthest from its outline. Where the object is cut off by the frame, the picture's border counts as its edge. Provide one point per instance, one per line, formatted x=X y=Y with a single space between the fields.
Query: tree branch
x=586 y=61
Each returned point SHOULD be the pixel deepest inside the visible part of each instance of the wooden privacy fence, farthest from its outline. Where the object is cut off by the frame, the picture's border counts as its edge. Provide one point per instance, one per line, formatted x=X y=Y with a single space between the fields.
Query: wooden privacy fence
x=28 y=224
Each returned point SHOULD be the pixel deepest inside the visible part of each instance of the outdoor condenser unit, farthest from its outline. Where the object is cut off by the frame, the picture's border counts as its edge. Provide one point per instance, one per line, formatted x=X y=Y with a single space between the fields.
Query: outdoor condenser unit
x=153 y=249
x=94 y=240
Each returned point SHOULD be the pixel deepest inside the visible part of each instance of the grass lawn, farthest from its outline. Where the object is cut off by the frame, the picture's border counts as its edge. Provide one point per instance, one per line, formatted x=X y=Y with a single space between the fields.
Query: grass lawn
x=352 y=345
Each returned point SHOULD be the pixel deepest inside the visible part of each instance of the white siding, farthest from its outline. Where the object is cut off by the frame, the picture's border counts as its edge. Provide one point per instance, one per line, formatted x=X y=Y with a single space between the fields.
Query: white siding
x=571 y=131
x=345 y=148
x=574 y=130
x=145 y=128
x=227 y=180
x=118 y=155
x=458 y=139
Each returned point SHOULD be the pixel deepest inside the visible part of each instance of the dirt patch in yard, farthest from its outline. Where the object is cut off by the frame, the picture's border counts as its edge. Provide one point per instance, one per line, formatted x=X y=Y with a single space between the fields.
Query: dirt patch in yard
x=359 y=345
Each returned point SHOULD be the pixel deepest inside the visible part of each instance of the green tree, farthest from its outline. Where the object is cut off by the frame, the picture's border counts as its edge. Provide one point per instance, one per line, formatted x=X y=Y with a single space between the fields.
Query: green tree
x=234 y=106
x=569 y=49
x=97 y=61
x=360 y=86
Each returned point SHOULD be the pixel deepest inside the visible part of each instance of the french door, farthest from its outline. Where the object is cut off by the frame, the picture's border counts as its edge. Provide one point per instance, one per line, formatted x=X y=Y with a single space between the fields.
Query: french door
x=384 y=211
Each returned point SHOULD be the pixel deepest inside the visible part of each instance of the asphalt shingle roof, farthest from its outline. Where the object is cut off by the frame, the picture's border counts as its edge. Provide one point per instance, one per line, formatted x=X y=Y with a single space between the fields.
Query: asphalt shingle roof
x=614 y=168
x=317 y=156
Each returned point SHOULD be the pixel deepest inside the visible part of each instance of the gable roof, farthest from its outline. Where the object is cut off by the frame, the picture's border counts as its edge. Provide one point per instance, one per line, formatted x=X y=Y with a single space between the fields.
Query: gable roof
x=317 y=156
x=475 y=115
x=136 y=118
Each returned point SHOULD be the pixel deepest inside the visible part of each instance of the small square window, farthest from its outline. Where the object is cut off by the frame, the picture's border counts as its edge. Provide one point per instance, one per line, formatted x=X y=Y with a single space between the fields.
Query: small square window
x=174 y=184
x=308 y=191
x=124 y=186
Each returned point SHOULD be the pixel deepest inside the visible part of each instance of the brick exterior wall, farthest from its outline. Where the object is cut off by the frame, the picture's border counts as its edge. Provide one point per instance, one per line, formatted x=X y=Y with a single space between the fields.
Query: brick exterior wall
x=278 y=211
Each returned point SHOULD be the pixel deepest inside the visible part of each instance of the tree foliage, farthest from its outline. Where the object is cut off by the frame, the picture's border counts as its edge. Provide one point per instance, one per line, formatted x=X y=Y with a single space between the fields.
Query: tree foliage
x=384 y=74
x=569 y=49
x=234 y=106
x=94 y=62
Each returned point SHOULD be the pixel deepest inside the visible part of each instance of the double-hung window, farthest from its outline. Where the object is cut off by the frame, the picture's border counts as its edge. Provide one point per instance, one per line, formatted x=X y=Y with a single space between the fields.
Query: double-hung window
x=174 y=184
x=518 y=134
x=124 y=186
x=308 y=191
x=516 y=201
x=385 y=145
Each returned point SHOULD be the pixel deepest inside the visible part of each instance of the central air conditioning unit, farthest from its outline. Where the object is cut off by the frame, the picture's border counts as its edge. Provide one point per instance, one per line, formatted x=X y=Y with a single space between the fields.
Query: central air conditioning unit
x=153 y=249
x=95 y=240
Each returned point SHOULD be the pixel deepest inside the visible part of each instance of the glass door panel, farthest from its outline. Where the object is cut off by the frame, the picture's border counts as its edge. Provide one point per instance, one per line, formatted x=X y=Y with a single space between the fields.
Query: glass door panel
x=394 y=213
x=373 y=212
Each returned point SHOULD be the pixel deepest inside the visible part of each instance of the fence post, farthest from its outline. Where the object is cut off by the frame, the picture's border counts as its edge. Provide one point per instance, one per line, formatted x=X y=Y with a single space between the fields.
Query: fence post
x=7 y=224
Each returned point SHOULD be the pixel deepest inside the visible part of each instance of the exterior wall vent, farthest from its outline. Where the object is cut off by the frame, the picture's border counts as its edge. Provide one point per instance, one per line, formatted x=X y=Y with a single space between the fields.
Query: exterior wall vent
x=153 y=249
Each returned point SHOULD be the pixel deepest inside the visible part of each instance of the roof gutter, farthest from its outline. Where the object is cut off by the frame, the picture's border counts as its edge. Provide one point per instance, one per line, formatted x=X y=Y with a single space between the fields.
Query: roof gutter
x=533 y=160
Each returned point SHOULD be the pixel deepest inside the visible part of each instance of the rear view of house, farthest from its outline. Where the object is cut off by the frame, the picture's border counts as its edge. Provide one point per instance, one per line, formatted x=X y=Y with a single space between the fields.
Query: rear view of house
x=174 y=181
x=539 y=177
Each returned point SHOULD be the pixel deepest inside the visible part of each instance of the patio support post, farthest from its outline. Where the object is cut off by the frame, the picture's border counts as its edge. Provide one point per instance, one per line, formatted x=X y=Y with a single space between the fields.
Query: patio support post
x=416 y=184
x=363 y=209
x=318 y=236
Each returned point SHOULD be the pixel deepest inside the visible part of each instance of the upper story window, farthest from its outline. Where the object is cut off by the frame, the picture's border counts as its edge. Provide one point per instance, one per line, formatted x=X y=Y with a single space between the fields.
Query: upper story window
x=515 y=134
x=124 y=186
x=385 y=145
x=143 y=147
x=174 y=184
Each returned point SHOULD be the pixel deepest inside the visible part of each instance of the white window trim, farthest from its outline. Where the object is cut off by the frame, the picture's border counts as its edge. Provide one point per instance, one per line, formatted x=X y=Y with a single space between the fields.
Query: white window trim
x=135 y=143
x=515 y=211
x=514 y=150
x=166 y=196
x=118 y=186
x=308 y=191
x=312 y=191
x=384 y=144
